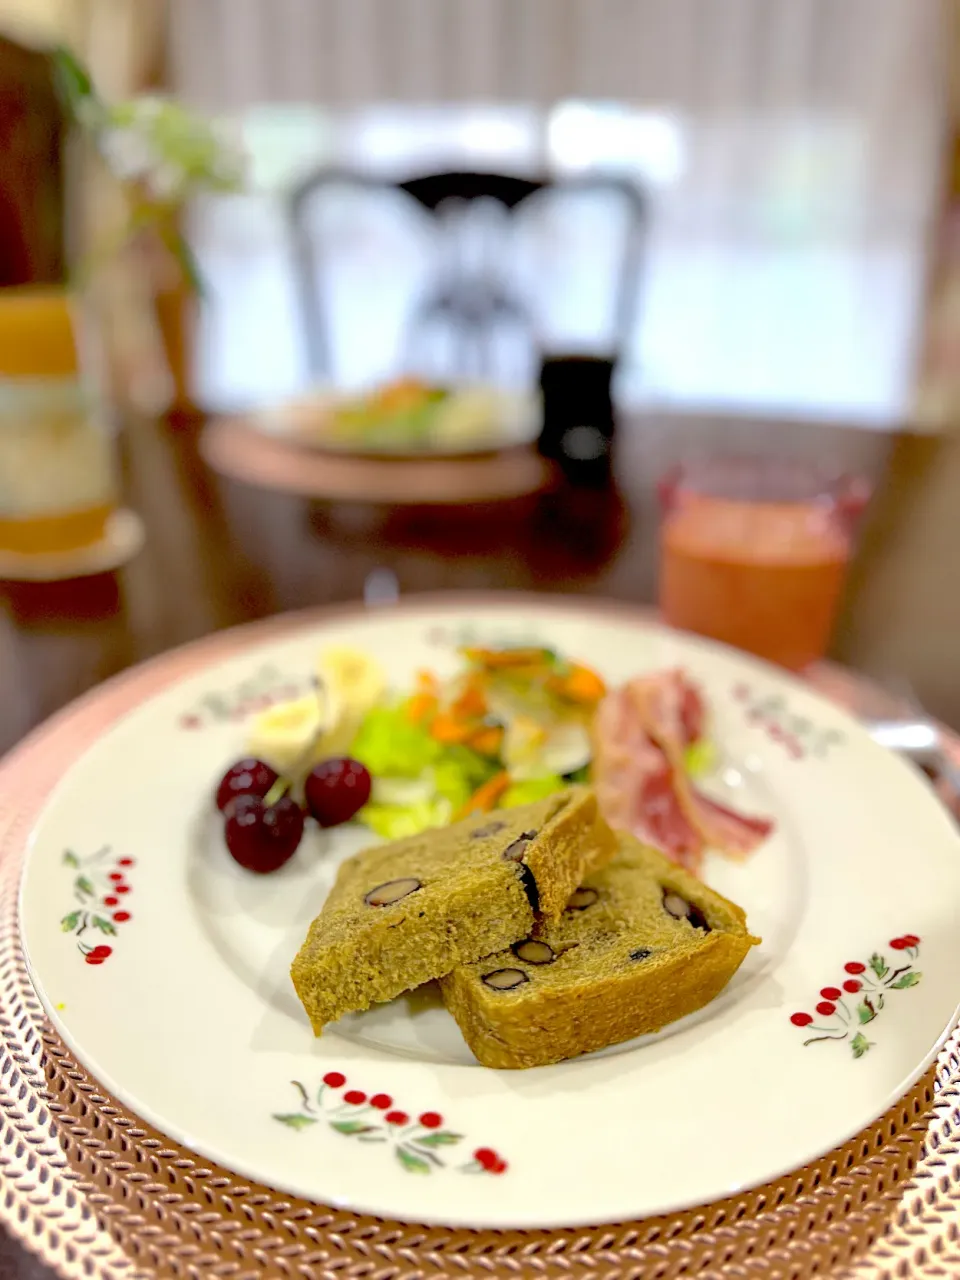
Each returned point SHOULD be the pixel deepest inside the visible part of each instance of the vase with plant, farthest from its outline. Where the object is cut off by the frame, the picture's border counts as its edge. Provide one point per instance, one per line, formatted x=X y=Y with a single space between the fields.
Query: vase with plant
x=146 y=158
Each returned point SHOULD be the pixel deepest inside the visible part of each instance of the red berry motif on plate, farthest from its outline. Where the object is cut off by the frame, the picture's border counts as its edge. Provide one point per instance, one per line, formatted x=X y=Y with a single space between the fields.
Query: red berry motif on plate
x=265 y=688
x=794 y=734
x=843 y=1011
x=97 y=882
x=419 y=1145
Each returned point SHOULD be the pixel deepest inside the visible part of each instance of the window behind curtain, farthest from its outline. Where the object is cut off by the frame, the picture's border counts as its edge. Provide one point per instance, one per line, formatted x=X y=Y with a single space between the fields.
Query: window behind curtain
x=790 y=148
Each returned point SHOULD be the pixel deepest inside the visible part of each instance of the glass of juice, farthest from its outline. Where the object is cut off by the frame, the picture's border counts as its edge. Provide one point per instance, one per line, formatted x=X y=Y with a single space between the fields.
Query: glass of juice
x=58 y=472
x=754 y=552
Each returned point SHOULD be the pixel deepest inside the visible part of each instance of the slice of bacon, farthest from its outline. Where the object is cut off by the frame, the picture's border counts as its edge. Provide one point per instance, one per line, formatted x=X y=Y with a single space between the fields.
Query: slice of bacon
x=641 y=732
x=634 y=783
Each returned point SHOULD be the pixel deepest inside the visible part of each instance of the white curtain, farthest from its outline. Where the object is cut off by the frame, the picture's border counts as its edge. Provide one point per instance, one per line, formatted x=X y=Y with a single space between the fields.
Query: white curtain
x=709 y=54
x=750 y=81
x=792 y=155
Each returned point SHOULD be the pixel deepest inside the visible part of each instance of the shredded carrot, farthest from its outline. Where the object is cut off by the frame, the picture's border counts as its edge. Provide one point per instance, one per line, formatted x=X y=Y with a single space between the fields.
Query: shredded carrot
x=497 y=659
x=420 y=707
x=488 y=740
x=447 y=729
x=471 y=704
x=579 y=684
x=485 y=798
x=427 y=682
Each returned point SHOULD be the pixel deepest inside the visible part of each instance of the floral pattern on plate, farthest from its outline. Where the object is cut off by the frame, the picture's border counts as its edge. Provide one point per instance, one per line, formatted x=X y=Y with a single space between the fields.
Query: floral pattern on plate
x=798 y=736
x=416 y=1141
x=842 y=1011
x=266 y=687
x=100 y=892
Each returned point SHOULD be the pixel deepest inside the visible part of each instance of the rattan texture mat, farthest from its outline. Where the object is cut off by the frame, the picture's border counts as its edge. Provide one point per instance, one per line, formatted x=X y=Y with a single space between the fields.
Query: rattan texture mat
x=94 y=1191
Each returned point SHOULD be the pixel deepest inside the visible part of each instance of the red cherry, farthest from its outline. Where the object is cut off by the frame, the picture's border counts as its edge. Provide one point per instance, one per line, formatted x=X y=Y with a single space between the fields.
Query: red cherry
x=826 y=1009
x=111 y=901
x=123 y=888
x=262 y=839
x=397 y=1117
x=899 y=944
x=92 y=959
x=499 y=1166
x=430 y=1120
x=336 y=790
x=800 y=1019
x=911 y=939
x=855 y=967
x=852 y=985
x=125 y=862
x=121 y=917
x=355 y=1097
x=334 y=1079
x=485 y=1158
x=247 y=777
x=831 y=993
x=116 y=876
x=382 y=1101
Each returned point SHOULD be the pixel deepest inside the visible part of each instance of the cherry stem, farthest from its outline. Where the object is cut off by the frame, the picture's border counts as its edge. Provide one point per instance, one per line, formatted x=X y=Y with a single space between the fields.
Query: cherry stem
x=285 y=781
x=277 y=791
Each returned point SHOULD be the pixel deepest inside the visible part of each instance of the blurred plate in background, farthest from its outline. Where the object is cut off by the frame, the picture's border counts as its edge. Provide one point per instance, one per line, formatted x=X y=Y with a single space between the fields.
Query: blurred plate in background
x=406 y=419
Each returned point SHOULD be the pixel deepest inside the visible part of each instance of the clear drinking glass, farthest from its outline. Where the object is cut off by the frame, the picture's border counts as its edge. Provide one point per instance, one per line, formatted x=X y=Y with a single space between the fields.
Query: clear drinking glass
x=754 y=552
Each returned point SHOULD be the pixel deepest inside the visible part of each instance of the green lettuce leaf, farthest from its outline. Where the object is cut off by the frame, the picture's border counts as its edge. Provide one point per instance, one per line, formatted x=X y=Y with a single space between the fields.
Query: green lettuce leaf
x=531 y=789
x=395 y=821
x=699 y=758
x=389 y=743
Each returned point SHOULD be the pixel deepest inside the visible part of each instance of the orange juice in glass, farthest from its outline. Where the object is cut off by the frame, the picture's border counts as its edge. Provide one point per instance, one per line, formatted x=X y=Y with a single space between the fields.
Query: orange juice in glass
x=58 y=482
x=754 y=552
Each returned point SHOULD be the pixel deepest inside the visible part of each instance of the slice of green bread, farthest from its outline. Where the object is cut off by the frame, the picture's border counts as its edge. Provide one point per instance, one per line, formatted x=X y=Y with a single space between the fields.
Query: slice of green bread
x=640 y=944
x=405 y=913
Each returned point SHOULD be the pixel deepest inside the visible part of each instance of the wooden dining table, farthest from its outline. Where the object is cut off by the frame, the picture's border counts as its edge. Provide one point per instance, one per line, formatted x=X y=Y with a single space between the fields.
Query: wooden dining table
x=219 y=553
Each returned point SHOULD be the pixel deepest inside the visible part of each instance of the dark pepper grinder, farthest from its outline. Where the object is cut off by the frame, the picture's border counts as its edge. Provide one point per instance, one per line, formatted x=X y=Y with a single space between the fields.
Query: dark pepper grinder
x=578 y=421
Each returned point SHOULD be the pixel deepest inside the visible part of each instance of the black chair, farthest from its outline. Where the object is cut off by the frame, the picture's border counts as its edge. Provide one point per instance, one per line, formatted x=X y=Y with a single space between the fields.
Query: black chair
x=471 y=300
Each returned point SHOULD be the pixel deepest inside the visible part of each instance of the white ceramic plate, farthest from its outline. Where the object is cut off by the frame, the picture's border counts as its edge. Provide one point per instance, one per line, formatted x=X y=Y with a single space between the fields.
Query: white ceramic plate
x=515 y=420
x=192 y=1022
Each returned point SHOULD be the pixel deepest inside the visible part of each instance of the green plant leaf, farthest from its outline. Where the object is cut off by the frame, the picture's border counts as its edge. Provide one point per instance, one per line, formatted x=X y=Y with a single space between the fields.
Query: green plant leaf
x=351 y=1127
x=70 y=922
x=184 y=256
x=879 y=965
x=105 y=926
x=908 y=979
x=72 y=80
x=83 y=887
x=296 y=1121
x=865 y=1011
x=442 y=1138
x=71 y=859
x=412 y=1162
x=859 y=1044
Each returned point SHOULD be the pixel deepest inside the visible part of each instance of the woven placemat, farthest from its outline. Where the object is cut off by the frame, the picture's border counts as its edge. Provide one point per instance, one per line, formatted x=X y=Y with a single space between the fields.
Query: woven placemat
x=95 y=1191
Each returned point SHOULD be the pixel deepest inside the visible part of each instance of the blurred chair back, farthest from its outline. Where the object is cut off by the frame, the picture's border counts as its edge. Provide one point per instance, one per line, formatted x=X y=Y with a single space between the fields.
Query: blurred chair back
x=479 y=280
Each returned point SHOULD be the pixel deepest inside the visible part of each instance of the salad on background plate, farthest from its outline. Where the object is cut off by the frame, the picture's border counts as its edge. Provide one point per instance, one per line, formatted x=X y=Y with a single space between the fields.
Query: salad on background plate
x=410 y=416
